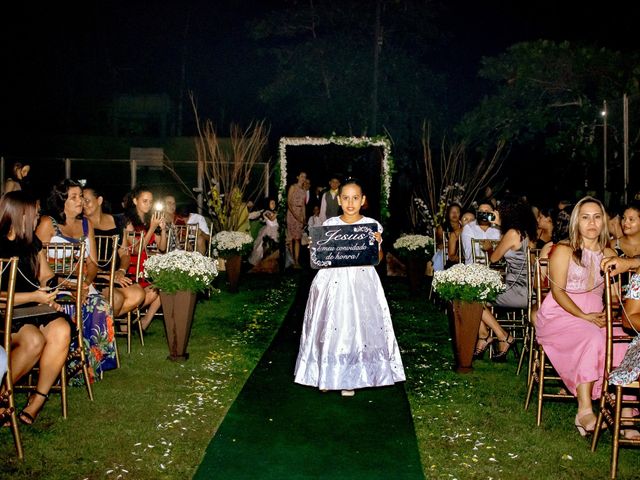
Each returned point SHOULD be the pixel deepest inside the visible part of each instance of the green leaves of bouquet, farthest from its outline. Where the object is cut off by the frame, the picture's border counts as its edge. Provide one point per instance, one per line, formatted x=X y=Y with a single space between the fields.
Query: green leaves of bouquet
x=414 y=246
x=226 y=244
x=469 y=283
x=179 y=270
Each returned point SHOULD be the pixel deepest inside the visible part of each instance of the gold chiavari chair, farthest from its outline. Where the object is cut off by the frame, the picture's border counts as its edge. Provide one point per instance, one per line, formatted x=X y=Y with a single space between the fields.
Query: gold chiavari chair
x=7 y=399
x=615 y=397
x=67 y=261
x=480 y=255
x=106 y=256
x=183 y=237
x=135 y=244
x=541 y=373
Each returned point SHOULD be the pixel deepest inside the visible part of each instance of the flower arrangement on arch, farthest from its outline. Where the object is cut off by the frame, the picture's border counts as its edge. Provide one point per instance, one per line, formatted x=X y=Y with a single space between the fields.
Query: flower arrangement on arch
x=412 y=246
x=180 y=270
x=225 y=244
x=469 y=283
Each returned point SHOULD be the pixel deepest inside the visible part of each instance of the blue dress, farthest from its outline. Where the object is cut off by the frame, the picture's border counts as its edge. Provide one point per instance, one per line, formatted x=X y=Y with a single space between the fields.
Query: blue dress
x=97 y=323
x=347 y=339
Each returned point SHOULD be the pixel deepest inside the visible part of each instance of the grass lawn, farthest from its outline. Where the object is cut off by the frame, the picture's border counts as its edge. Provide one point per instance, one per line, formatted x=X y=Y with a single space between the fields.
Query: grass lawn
x=473 y=426
x=152 y=418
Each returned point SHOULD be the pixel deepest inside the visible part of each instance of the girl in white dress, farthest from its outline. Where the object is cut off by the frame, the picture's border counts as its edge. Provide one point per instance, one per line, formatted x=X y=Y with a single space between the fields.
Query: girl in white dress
x=347 y=339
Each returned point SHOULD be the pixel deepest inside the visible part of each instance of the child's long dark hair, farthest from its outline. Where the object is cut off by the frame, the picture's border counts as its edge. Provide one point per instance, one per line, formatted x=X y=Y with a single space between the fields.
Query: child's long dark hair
x=350 y=181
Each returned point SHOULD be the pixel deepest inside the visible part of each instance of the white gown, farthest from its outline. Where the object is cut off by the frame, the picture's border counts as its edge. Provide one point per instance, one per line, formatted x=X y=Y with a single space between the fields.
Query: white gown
x=347 y=338
x=269 y=230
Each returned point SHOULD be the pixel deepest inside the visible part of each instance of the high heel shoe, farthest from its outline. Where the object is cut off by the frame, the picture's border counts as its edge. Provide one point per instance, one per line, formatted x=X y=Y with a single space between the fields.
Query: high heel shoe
x=479 y=351
x=585 y=430
x=29 y=418
x=501 y=356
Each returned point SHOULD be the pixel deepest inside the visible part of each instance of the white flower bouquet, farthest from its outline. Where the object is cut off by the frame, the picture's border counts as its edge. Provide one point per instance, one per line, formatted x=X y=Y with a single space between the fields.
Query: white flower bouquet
x=226 y=243
x=179 y=270
x=469 y=283
x=412 y=246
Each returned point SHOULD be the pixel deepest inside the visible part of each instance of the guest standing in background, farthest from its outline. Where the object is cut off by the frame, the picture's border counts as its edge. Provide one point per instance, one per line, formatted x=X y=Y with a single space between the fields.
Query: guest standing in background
x=295 y=216
x=17 y=177
x=329 y=206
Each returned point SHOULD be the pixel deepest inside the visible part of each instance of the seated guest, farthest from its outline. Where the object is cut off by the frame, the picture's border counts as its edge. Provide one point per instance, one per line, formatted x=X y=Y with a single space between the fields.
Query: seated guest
x=268 y=233
x=140 y=219
x=570 y=321
x=66 y=224
x=204 y=232
x=127 y=295
x=44 y=338
x=546 y=224
x=518 y=227
x=615 y=223
x=454 y=239
x=481 y=228
x=628 y=244
x=451 y=225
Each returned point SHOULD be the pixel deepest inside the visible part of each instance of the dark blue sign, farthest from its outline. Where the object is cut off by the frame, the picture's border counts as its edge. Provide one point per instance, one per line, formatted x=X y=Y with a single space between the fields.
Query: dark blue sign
x=344 y=245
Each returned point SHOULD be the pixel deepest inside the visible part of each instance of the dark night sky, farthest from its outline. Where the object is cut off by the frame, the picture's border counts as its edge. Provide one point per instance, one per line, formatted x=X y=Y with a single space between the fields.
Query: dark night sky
x=59 y=51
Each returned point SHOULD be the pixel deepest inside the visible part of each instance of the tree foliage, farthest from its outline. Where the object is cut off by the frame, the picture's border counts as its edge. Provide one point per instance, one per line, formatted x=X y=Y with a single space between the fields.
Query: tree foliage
x=548 y=96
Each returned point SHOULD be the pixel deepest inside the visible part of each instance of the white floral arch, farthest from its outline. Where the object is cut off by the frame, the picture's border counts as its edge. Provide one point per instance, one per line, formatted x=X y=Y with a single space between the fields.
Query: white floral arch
x=357 y=142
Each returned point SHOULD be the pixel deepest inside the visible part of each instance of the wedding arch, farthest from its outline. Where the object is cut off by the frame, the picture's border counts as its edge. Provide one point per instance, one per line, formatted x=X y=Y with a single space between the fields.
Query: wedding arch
x=377 y=155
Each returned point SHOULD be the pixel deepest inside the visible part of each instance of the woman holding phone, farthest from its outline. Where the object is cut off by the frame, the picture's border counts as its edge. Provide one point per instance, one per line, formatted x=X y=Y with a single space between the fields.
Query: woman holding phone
x=141 y=217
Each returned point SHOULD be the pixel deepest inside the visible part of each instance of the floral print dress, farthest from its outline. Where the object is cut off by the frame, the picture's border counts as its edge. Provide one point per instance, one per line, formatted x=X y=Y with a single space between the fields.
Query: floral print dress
x=629 y=369
x=97 y=324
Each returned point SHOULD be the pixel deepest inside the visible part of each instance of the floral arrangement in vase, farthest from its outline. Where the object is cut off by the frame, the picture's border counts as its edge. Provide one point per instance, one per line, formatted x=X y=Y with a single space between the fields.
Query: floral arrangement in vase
x=415 y=246
x=225 y=244
x=469 y=283
x=180 y=270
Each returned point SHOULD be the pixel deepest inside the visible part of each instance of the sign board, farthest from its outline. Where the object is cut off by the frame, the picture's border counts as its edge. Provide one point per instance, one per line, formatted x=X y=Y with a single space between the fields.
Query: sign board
x=344 y=245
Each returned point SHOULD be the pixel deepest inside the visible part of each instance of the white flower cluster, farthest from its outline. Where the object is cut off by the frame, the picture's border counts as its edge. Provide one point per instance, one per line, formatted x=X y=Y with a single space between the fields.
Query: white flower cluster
x=193 y=264
x=413 y=243
x=227 y=241
x=474 y=275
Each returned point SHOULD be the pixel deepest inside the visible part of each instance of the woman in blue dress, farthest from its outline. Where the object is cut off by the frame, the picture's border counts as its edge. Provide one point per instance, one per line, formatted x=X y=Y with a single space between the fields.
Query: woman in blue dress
x=66 y=223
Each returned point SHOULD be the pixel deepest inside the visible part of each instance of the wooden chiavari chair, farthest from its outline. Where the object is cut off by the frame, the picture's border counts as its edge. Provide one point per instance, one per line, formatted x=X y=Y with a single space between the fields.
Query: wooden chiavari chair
x=183 y=237
x=67 y=261
x=106 y=256
x=541 y=373
x=7 y=399
x=615 y=397
x=135 y=244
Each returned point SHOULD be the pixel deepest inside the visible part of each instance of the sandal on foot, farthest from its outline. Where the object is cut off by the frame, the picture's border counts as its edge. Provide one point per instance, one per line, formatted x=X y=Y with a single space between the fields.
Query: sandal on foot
x=28 y=418
x=501 y=356
x=585 y=429
x=479 y=351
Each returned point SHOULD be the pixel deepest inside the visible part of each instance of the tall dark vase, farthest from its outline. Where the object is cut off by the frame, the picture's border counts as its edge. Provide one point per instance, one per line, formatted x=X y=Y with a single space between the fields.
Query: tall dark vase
x=178 y=311
x=464 y=320
x=416 y=268
x=232 y=266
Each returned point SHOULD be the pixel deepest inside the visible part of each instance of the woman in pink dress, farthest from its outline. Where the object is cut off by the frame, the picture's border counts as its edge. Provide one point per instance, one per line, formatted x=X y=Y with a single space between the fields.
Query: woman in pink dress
x=296 y=197
x=570 y=322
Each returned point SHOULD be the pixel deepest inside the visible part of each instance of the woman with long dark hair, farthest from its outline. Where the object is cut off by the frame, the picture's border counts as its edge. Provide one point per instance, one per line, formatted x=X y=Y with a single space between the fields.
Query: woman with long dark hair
x=44 y=338
x=141 y=218
x=519 y=230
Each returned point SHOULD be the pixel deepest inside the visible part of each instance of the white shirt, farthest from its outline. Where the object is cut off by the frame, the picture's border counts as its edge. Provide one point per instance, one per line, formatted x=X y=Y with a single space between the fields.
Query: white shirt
x=201 y=221
x=473 y=230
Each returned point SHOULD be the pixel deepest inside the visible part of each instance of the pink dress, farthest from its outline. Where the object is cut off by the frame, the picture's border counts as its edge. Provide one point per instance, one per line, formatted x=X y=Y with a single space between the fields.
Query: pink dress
x=296 y=202
x=575 y=347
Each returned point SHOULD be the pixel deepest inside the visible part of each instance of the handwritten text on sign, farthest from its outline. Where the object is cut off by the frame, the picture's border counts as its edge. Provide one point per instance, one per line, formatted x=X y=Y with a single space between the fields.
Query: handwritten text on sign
x=344 y=245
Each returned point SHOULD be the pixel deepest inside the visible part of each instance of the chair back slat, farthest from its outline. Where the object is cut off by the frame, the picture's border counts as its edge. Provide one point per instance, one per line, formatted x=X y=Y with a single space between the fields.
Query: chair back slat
x=183 y=237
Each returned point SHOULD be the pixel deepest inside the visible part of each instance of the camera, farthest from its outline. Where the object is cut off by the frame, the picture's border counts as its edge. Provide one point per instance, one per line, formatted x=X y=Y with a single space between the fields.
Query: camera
x=485 y=216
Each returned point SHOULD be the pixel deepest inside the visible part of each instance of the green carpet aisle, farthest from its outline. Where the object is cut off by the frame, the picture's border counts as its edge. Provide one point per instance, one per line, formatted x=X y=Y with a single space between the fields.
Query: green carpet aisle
x=277 y=429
